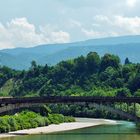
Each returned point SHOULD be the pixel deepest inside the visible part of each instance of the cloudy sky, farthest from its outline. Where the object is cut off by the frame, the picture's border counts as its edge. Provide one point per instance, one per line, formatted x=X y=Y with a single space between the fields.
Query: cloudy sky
x=27 y=23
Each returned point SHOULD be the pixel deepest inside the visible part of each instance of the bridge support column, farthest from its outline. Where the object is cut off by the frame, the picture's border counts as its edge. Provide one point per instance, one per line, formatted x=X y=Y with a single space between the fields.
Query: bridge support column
x=127 y=107
x=134 y=108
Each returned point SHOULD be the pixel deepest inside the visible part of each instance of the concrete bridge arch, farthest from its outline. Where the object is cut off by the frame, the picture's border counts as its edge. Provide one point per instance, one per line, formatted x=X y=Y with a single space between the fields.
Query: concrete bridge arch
x=100 y=103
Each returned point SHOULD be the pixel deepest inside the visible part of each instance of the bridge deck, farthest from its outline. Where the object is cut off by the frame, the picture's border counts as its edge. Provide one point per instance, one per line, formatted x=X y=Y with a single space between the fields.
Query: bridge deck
x=70 y=99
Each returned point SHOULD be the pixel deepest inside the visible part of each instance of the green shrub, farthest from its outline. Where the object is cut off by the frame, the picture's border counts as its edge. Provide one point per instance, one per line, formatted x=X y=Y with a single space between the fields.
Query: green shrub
x=47 y=121
x=13 y=124
x=4 y=126
x=56 y=118
x=33 y=123
x=28 y=119
x=69 y=119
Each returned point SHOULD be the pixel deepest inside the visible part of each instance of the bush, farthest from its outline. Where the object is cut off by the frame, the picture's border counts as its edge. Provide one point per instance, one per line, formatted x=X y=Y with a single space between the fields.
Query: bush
x=69 y=119
x=56 y=118
x=40 y=121
x=47 y=121
x=13 y=124
x=28 y=119
x=4 y=126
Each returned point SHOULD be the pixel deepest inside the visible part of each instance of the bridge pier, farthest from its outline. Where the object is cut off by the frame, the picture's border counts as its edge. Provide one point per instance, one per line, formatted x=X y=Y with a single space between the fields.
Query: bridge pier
x=127 y=107
x=134 y=108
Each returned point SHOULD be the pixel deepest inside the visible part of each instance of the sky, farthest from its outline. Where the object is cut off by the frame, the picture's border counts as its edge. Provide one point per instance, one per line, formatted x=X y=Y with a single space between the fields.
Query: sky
x=27 y=23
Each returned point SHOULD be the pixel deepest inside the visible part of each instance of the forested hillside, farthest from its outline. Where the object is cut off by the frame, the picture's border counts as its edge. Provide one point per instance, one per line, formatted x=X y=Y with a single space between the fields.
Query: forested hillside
x=83 y=76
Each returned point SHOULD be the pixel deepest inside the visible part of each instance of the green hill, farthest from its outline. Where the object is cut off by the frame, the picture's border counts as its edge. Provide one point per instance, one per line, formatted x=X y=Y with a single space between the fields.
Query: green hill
x=83 y=76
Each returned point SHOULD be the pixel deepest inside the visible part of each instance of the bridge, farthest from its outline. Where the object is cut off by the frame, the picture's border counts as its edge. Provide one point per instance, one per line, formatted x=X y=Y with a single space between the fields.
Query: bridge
x=100 y=103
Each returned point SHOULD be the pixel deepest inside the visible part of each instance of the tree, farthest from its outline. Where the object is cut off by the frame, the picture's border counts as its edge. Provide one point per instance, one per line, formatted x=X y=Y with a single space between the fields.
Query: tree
x=123 y=92
x=68 y=65
x=93 y=62
x=80 y=65
x=134 y=85
x=127 y=61
x=35 y=70
x=33 y=65
x=45 y=69
x=47 y=90
x=109 y=60
x=137 y=93
x=111 y=77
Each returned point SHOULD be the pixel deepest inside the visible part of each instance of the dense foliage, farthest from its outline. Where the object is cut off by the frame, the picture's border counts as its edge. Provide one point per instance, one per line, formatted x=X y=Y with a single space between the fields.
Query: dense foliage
x=28 y=119
x=83 y=76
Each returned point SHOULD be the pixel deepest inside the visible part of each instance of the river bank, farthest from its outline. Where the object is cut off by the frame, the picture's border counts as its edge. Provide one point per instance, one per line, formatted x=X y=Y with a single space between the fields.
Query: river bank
x=80 y=123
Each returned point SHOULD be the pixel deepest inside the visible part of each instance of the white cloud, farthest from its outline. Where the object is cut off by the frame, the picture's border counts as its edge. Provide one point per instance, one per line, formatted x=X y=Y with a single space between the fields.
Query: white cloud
x=54 y=36
x=97 y=34
x=23 y=33
x=129 y=24
x=60 y=37
x=131 y=3
x=92 y=33
x=20 y=33
x=113 y=26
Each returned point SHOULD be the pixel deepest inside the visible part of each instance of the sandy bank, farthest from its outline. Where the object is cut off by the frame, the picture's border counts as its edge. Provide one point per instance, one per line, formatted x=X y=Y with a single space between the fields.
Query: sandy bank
x=80 y=123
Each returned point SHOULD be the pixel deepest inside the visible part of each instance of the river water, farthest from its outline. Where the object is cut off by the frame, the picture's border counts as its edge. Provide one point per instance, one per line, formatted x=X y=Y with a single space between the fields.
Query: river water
x=122 y=131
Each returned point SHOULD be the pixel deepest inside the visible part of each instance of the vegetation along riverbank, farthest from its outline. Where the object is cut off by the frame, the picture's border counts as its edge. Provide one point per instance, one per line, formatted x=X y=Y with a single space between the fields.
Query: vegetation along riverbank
x=29 y=119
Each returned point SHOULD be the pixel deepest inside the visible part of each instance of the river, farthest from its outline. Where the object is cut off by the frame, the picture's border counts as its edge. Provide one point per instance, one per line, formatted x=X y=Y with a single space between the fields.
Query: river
x=122 y=131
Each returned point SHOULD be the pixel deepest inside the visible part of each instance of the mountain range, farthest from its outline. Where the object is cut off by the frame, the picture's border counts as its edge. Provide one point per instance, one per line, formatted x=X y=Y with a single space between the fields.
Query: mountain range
x=20 y=58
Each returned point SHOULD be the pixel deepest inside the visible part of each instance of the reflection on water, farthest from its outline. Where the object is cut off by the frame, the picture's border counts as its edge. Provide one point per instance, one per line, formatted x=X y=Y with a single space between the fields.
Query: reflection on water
x=122 y=131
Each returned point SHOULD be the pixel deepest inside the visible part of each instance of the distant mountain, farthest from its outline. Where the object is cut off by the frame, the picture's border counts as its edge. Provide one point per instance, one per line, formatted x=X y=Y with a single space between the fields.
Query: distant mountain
x=20 y=58
x=131 y=51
